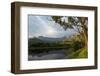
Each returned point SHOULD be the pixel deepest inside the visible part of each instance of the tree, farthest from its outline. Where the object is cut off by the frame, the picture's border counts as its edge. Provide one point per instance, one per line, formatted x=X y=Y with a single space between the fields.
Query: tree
x=79 y=24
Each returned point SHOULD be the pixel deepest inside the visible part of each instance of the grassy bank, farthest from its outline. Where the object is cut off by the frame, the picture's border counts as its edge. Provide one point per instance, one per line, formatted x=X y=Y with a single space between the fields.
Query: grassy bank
x=81 y=53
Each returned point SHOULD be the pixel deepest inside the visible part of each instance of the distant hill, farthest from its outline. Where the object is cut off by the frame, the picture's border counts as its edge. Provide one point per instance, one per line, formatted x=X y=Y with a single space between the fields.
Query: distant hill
x=34 y=40
x=42 y=39
x=48 y=39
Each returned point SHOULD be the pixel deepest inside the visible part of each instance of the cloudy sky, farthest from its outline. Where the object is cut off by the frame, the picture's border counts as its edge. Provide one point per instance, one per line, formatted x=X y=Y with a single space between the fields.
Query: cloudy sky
x=44 y=26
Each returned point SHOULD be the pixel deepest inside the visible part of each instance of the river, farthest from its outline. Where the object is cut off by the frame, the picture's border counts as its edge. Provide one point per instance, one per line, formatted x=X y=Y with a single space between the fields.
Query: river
x=48 y=55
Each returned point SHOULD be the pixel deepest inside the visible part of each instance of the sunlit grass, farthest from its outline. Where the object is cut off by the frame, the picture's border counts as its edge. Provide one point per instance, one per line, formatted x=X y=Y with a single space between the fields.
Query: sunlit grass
x=81 y=53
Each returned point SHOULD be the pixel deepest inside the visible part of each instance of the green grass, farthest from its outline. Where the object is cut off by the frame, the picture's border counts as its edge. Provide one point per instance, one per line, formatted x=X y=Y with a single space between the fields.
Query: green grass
x=81 y=53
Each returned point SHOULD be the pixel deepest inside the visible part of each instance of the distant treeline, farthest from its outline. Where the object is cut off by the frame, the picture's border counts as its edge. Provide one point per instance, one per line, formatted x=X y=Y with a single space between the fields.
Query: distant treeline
x=56 y=44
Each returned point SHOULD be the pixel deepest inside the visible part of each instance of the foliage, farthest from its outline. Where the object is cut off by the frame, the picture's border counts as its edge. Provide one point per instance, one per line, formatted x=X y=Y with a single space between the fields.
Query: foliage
x=79 y=24
x=81 y=53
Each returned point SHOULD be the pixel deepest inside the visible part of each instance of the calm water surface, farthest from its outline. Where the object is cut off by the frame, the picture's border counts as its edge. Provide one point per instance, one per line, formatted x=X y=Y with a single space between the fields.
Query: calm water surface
x=51 y=54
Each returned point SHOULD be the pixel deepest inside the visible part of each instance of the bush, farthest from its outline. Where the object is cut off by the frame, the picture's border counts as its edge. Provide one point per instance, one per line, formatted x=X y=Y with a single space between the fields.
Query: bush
x=77 y=45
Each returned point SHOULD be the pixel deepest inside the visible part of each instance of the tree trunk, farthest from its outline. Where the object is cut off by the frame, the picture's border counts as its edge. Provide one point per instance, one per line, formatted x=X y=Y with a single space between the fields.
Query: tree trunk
x=85 y=32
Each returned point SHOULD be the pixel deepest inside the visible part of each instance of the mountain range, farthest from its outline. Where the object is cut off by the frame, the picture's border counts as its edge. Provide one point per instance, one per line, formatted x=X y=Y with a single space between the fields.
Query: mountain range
x=50 y=39
x=45 y=39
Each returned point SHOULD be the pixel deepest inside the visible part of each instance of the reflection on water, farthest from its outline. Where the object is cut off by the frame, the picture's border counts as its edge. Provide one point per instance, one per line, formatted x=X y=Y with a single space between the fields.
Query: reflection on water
x=46 y=54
